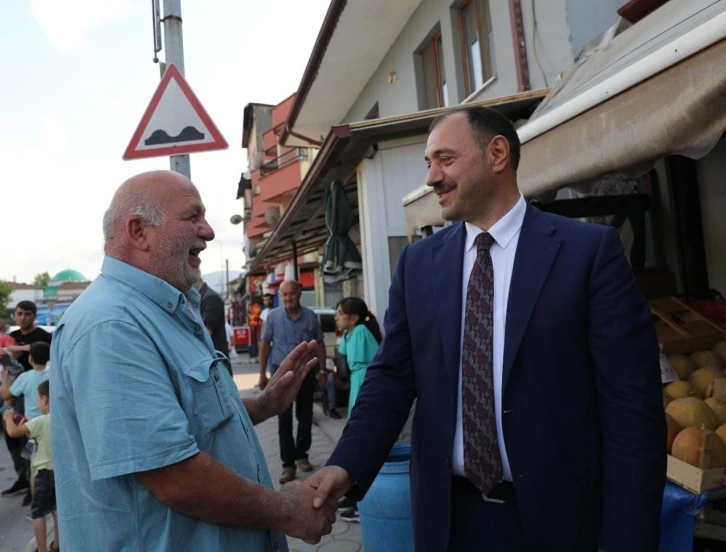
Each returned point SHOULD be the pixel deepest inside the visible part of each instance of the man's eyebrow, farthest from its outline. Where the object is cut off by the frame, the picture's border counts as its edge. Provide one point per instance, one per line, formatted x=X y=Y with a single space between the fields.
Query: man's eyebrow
x=195 y=210
x=439 y=152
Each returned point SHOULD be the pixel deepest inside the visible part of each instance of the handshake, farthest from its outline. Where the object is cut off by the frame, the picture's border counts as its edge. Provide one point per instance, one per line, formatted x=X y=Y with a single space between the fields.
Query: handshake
x=310 y=505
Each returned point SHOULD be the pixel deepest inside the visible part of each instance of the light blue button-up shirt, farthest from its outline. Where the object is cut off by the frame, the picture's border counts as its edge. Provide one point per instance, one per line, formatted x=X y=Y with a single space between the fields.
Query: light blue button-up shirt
x=135 y=386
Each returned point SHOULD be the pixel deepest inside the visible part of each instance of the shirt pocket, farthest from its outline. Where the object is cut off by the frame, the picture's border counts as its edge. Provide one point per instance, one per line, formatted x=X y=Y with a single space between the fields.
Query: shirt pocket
x=212 y=407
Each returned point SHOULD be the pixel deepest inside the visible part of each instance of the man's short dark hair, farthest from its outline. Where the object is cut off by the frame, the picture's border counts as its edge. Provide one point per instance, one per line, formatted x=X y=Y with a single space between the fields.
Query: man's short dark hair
x=485 y=124
x=44 y=388
x=40 y=351
x=27 y=306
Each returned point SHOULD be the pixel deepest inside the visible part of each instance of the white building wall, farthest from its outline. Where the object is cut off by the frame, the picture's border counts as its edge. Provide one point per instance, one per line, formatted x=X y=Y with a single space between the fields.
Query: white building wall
x=35 y=295
x=397 y=169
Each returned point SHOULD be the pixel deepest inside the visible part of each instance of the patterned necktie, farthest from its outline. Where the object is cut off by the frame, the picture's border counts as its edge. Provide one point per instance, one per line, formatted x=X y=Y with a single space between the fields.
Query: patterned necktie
x=482 y=461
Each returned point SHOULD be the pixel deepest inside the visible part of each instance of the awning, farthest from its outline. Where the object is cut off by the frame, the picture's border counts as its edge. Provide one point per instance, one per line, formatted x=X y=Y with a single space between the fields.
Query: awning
x=342 y=151
x=656 y=89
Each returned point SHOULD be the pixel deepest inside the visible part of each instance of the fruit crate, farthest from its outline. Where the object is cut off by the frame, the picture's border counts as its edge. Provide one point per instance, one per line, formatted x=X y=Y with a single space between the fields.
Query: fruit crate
x=694 y=479
x=680 y=329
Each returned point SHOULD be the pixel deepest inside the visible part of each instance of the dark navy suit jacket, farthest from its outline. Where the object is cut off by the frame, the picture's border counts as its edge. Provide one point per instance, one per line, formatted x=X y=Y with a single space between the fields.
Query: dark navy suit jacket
x=582 y=403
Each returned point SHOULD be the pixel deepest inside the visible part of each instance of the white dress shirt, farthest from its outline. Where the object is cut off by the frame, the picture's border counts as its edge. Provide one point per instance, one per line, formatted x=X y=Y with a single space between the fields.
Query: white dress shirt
x=506 y=237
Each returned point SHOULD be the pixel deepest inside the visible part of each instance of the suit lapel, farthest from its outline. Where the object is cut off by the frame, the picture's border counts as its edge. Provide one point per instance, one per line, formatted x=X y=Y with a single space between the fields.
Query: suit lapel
x=448 y=266
x=536 y=252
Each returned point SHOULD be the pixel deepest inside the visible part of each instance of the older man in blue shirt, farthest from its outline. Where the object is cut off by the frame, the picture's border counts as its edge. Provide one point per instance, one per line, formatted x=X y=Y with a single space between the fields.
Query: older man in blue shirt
x=153 y=448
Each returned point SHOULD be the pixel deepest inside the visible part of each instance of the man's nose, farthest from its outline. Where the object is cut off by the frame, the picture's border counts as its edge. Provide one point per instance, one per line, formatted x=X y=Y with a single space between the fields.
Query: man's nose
x=434 y=175
x=206 y=232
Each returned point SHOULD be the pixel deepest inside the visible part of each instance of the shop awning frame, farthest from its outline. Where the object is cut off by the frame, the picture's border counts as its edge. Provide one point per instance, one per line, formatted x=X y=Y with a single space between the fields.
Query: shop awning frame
x=656 y=89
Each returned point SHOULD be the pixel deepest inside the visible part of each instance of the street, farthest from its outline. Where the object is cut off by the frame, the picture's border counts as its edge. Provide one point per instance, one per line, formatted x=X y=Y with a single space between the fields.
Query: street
x=16 y=532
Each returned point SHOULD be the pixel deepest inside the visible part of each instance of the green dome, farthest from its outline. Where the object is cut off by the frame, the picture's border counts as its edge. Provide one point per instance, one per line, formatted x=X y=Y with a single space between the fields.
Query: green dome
x=69 y=275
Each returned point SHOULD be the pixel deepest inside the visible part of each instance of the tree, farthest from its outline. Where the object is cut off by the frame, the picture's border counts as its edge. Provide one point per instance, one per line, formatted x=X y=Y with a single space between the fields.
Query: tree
x=42 y=280
x=6 y=292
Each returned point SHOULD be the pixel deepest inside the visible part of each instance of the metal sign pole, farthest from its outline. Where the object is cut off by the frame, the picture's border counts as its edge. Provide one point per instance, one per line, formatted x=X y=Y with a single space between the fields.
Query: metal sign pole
x=174 y=53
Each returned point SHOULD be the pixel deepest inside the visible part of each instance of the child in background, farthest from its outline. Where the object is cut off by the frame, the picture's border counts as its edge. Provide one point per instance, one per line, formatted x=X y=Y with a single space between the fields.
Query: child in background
x=41 y=467
x=27 y=383
x=361 y=337
x=10 y=369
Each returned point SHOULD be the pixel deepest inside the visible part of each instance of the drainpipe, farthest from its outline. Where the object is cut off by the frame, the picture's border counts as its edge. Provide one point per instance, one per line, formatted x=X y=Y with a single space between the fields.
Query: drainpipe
x=520 y=50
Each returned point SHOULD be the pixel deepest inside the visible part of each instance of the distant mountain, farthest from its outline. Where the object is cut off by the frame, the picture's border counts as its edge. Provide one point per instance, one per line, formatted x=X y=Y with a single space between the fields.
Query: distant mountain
x=216 y=280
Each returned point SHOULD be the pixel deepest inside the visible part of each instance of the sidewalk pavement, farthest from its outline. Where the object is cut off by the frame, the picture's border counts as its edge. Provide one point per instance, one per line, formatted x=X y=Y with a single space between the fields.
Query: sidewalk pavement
x=346 y=537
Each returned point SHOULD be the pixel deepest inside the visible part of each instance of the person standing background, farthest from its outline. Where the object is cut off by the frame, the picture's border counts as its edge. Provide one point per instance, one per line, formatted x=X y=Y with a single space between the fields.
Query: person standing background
x=26 y=334
x=359 y=345
x=285 y=329
x=211 y=306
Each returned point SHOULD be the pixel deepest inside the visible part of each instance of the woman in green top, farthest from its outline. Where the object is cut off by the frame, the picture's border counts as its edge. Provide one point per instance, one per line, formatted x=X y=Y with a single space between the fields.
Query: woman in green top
x=361 y=336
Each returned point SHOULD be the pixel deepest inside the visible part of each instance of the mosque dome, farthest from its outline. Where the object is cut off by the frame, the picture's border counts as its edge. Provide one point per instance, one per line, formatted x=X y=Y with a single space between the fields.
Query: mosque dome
x=69 y=275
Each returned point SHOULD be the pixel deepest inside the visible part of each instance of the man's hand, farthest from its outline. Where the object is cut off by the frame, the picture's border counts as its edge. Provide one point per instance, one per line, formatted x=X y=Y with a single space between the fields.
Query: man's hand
x=284 y=385
x=303 y=521
x=330 y=484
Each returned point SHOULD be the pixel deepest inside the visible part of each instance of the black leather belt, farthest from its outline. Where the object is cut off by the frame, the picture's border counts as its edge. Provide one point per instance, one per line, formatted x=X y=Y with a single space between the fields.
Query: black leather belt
x=502 y=493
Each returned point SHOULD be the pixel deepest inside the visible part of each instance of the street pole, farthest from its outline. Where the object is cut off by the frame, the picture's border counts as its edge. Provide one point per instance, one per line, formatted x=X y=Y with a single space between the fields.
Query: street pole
x=174 y=53
x=226 y=276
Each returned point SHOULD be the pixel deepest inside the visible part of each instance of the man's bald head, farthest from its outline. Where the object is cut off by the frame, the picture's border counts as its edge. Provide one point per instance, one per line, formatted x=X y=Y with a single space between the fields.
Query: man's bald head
x=290 y=285
x=143 y=196
x=156 y=222
x=290 y=292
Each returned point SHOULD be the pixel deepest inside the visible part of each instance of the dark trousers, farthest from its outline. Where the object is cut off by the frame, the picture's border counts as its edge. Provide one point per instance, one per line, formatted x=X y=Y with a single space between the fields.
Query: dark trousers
x=479 y=525
x=15 y=447
x=297 y=449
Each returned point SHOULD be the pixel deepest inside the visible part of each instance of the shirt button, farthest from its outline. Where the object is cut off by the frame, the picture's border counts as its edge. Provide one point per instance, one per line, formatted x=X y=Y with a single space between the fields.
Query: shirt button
x=169 y=305
x=197 y=327
x=216 y=377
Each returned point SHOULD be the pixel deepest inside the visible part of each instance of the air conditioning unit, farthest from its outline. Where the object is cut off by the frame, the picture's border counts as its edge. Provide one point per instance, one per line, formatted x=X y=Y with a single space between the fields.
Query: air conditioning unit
x=256 y=190
x=272 y=216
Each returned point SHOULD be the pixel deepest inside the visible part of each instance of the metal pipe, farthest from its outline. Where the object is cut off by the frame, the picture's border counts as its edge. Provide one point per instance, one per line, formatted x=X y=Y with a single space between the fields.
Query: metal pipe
x=174 y=53
x=520 y=48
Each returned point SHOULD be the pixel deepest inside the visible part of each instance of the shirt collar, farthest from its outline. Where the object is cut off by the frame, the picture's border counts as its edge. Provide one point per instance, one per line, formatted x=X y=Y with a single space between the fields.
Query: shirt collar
x=504 y=230
x=156 y=289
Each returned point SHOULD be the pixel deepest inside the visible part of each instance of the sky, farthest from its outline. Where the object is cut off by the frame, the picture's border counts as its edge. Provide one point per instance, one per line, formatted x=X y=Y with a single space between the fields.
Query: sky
x=75 y=85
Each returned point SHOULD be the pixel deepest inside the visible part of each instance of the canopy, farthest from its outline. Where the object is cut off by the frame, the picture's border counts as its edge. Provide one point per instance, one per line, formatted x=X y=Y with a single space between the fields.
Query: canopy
x=656 y=89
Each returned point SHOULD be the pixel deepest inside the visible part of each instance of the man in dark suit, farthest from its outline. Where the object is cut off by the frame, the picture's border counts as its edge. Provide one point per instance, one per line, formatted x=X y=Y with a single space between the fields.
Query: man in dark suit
x=539 y=423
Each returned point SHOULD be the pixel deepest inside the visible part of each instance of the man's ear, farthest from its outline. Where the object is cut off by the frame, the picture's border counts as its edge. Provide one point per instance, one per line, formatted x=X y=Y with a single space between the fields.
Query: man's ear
x=498 y=153
x=137 y=234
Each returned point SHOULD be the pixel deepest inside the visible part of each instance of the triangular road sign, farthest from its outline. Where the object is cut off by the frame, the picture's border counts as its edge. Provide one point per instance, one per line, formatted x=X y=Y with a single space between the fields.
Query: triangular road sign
x=174 y=123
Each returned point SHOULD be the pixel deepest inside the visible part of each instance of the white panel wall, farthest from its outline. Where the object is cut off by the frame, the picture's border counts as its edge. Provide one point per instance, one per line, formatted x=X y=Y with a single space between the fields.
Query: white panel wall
x=397 y=169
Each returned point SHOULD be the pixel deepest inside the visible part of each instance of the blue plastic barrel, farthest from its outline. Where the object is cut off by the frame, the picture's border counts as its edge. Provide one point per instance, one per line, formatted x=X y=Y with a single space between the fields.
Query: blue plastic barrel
x=385 y=513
